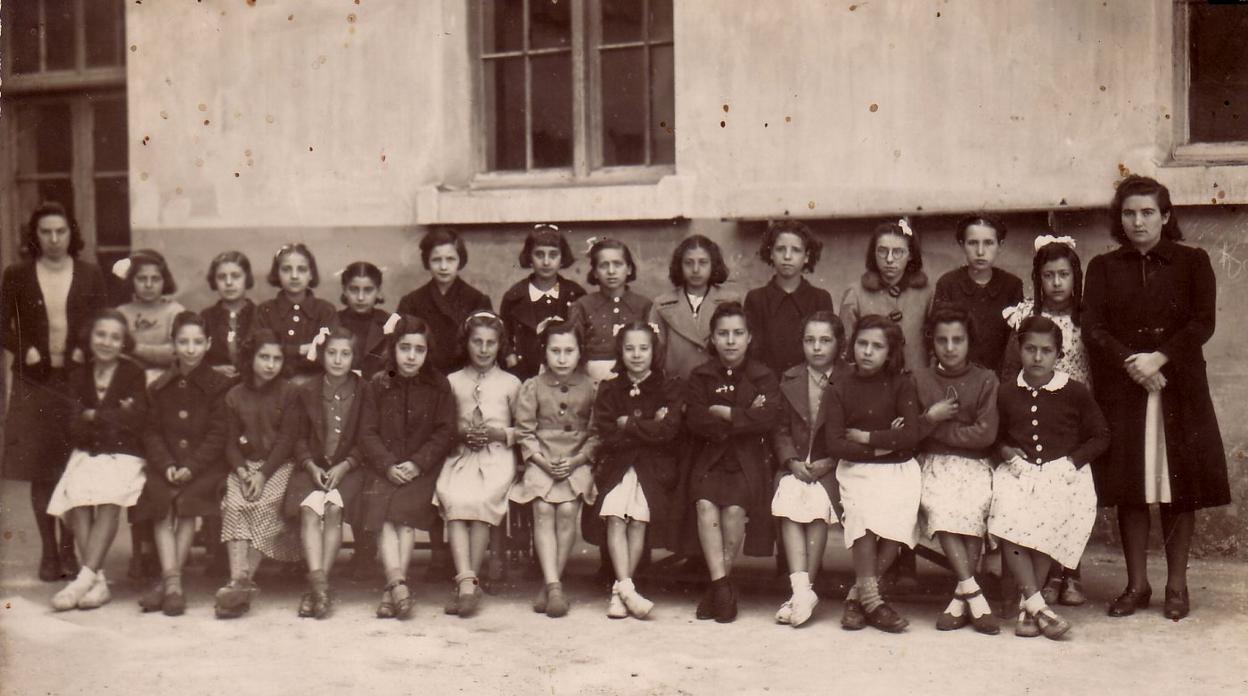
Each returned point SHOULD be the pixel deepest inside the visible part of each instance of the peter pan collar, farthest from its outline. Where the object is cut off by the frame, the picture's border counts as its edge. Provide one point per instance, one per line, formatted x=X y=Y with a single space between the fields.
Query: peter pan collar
x=1058 y=381
x=536 y=294
x=552 y=380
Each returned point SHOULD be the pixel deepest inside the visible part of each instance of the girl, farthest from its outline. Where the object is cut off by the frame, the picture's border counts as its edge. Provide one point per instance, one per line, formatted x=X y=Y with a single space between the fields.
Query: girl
x=960 y=421
x=150 y=311
x=637 y=417
x=184 y=442
x=258 y=453
x=1043 y=500
x=545 y=294
x=407 y=428
x=361 y=293
x=472 y=488
x=683 y=314
x=732 y=404
x=599 y=315
x=46 y=302
x=982 y=288
x=557 y=446
x=105 y=470
x=873 y=426
x=326 y=415
x=295 y=316
x=807 y=483
x=1150 y=307
x=1057 y=286
x=446 y=300
x=776 y=310
x=231 y=318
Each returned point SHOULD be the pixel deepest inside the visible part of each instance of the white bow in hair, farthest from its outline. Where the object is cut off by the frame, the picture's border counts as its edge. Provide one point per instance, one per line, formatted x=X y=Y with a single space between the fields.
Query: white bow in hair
x=388 y=327
x=317 y=342
x=589 y=243
x=121 y=268
x=541 y=325
x=904 y=224
x=1046 y=239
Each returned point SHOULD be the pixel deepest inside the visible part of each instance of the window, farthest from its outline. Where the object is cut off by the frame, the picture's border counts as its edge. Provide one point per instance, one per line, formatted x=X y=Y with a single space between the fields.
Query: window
x=579 y=87
x=1213 y=79
x=65 y=97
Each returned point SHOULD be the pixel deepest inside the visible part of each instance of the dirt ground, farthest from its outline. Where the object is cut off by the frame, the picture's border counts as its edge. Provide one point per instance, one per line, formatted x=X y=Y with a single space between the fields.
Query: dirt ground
x=507 y=649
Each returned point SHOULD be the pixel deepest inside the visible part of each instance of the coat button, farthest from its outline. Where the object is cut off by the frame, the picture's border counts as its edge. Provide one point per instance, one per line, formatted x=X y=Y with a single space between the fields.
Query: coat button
x=615 y=310
x=1034 y=438
x=636 y=413
x=183 y=444
x=567 y=428
x=1035 y=422
x=290 y=332
x=1039 y=448
x=564 y=389
x=296 y=307
x=183 y=414
x=295 y=319
x=1035 y=408
x=563 y=406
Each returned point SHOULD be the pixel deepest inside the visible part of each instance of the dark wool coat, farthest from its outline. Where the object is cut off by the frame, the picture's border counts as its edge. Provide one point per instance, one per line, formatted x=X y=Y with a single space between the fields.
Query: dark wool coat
x=1171 y=311
x=218 y=320
x=370 y=343
x=120 y=416
x=306 y=422
x=796 y=436
x=985 y=303
x=295 y=324
x=521 y=316
x=445 y=314
x=775 y=318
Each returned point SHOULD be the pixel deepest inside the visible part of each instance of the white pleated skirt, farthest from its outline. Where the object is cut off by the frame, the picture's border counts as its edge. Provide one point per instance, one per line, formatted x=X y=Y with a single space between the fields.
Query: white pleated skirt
x=880 y=498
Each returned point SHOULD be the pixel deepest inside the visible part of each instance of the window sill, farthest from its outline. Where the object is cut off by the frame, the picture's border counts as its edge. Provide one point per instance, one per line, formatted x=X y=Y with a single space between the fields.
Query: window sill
x=551 y=196
x=1206 y=173
x=1211 y=153
x=51 y=81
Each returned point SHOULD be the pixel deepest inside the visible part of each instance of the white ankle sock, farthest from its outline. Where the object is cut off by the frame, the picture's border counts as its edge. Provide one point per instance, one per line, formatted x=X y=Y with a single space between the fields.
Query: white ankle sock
x=852 y=595
x=625 y=586
x=978 y=604
x=799 y=581
x=956 y=607
x=1035 y=604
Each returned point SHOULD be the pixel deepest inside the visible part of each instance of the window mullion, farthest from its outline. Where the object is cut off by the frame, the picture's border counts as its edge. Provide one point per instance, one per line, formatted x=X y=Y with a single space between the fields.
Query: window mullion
x=528 y=88
x=43 y=36
x=646 y=96
x=80 y=36
x=586 y=116
x=81 y=169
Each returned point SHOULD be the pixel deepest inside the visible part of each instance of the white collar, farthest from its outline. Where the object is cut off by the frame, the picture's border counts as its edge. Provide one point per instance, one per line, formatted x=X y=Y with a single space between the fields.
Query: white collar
x=1058 y=381
x=536 y=293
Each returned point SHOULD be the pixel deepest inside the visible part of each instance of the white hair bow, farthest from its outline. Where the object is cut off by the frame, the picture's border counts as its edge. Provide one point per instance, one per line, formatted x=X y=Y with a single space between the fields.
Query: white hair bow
x=317 y=342
x=904 y=224
x=541 y=325
x=121 y=268
x=391 y=322
x=589 y=243
x=1046 y=239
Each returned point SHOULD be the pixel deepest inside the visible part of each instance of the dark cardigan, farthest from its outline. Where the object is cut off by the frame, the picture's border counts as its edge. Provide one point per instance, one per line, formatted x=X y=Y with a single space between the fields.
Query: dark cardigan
x=117 y=427
x=24 y=320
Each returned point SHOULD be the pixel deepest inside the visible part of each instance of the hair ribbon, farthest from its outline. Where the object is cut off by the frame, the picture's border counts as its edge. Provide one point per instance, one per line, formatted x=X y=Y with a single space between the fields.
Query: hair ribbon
x=391 y=323
x=122 y=267
x=1046 y=239
x=317 y=342
x=904 y=224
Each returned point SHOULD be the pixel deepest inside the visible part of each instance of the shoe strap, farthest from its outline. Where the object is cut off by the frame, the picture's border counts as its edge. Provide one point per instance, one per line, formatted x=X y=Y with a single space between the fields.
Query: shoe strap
x=969 y=595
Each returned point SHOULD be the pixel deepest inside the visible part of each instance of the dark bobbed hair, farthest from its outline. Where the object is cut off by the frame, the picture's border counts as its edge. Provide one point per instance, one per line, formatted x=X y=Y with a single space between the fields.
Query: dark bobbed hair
x=719 y=269
x=1054 y=251
x=608 y=243
x=127 y=340
x=814 y=247
x=914 y=266
x=892 y=335
x=1136 y=185
x=827 y=316
x=1036 y=324
x=341 y=333
x=436 y=238
x=407 y=324
x=486 y=319
x=360 y=269
x=294 y=248
x=722 y=312
x=546 y=235
x=150 y=257
x=30 y=240
x=656 y=354
x=187 y=318
x=247 y=353
x=980 y=218
x=237 y=257
x=949 y=313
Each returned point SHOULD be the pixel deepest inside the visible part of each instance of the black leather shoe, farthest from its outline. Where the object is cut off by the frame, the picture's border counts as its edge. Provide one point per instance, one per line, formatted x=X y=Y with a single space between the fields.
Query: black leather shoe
x=887 y=620
x=50 y=568
x=1178 y=604
x=1129 y=601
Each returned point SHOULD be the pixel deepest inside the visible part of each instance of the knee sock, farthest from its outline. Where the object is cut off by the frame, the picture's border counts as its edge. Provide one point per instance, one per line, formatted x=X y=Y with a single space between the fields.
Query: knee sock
x=978 y=604
x=799 y=582
x=869 y=593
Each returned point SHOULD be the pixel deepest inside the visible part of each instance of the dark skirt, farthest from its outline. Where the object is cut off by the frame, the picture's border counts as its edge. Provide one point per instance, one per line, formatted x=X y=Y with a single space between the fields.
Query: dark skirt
x=201 y=497
x=36 y=430
x=723 y=484
x=409 y=505
x=301 y=485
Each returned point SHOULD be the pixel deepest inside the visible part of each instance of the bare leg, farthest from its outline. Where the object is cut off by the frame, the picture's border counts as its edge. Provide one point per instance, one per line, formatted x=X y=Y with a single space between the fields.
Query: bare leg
x=1040 y=564
x=79 y=520
x=1020 y=561
x=478 y=543
x=254 y=557
x=1133 y=524
x=544 y=541
x=332 y=535
x=388 y=550
x=167 y=545
x=406 y=538
x=103 y=531
x=458 y=539
x=863 y=552
x=236 y=550
x=793 y=536
x=636 y=545
x=886 y=552
x=711 y=536
x=617 y=547
x=565 y=530
x=313 y=543
x=734 y=534
x=955 y=550
x=816 y=543
x=1177 y=528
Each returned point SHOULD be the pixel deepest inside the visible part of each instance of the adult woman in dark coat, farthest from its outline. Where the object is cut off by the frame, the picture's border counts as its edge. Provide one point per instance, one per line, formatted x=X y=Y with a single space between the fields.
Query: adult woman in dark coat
x=1148 y=308
x=46 y=301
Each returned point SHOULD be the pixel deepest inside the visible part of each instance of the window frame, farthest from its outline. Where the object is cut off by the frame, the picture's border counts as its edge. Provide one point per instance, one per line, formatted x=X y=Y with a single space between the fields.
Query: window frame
x=1184 y=150
x=586 y=168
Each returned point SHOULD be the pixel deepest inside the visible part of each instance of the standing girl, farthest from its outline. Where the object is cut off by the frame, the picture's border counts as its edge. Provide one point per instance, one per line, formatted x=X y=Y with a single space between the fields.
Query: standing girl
x=872 y=427
x=446 y=300
x=557 y=446
x=732 y=405
x=598 y=316
x=46 y=301
x=327 y=481
x=105 y=470
x=361 y=293
x=544 y=295
x=295 y=316
x=777 y=309
x=1043 y=499
x=960 y=419
x=184 y=442
x=231 y=318
x=637 y=417
x=151 y=310
x=472 y=488
x=407 y=427
x=807 y=483
x=258 y=453
x=683 y=314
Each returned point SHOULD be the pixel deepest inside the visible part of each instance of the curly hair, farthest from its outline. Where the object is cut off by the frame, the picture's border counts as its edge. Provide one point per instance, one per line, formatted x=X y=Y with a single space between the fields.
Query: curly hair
x=656 y=352
x=814 y=247
x=719 y=269
x=893 y=336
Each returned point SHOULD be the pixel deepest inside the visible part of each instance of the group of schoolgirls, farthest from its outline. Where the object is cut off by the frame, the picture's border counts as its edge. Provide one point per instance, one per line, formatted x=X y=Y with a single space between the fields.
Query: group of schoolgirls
x=289 y=418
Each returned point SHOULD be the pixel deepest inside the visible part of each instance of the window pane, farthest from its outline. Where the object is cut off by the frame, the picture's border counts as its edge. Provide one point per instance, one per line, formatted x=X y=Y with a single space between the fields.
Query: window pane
x=32 y=193
x=105 y=27
x=45 y=140
x=25 y=37
x=660 y=20
x=663 y=106
x=621 y=21
x=1218 y=97
x=504 y=113
x=552 y=110
x=623 y=107
x=112 y=211
x=109 y=135
x=61 y=38
x=502 y=25
x=550 y=24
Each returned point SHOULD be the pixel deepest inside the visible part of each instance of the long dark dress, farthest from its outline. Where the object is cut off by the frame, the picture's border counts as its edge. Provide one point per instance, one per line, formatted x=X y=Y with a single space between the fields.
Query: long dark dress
x=1162 y=301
